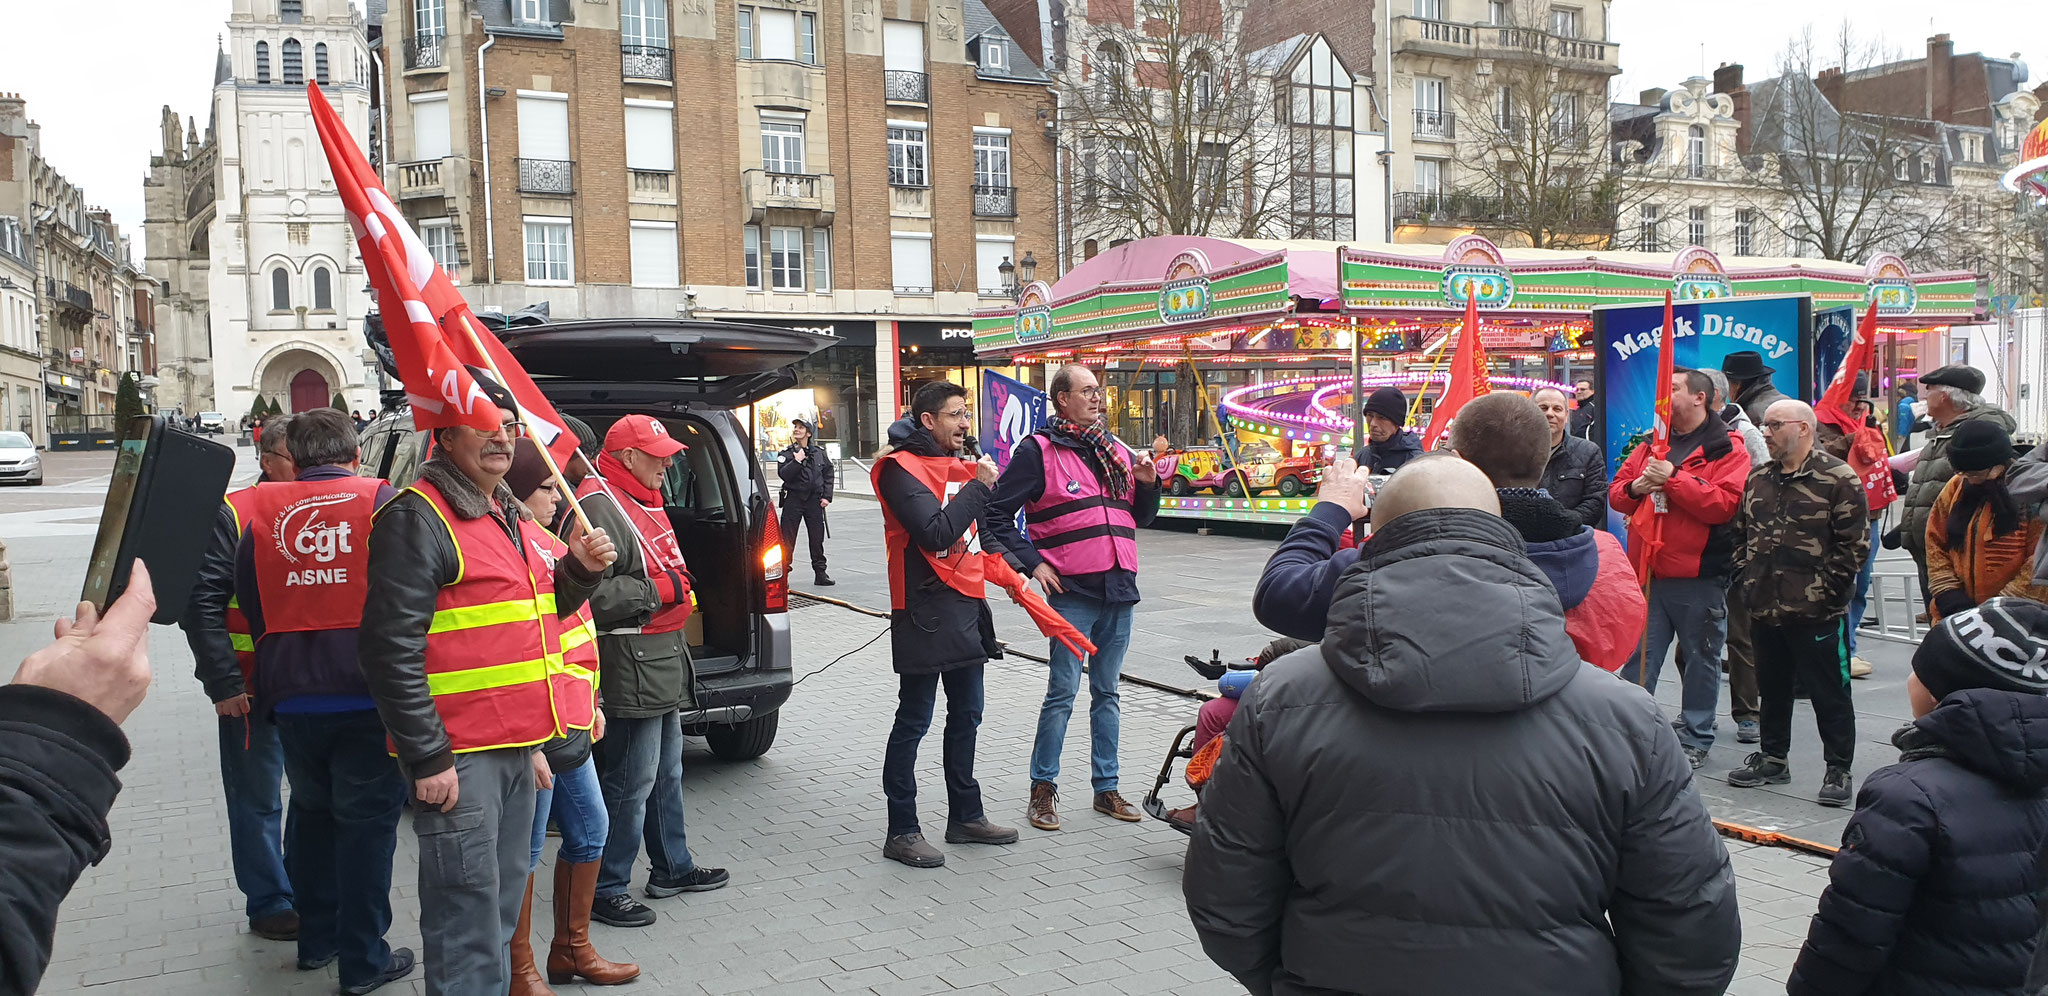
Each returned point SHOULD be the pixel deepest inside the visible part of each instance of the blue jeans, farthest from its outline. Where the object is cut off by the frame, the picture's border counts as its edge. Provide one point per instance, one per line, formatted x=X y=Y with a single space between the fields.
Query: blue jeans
x=346 y=797
x=1695 y=611
x=1860 y=602
x=636 y=760
x=916 y=695
x=1109 y=628
x=577 y=805
x=251 y=768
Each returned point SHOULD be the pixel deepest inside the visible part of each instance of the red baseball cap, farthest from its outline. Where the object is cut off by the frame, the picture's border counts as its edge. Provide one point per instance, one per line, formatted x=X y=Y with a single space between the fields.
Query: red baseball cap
x=643 y=433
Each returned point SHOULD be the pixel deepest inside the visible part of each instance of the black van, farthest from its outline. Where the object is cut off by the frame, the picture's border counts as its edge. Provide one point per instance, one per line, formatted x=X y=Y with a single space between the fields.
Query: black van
x=694 y=376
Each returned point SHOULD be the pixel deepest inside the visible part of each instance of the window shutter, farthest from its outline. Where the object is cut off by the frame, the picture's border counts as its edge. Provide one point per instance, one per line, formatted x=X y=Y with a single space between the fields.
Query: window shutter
x=650 y=139
x=430 y=126
x=654 y=254
x=543 y=128
x=911 y=257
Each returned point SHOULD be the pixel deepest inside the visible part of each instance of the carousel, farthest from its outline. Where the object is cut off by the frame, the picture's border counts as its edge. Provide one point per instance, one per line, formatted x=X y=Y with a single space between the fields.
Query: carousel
x=1250 y=357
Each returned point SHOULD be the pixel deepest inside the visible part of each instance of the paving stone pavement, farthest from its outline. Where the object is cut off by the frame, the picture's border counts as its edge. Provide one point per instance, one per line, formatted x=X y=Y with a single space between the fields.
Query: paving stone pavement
x=813 y=909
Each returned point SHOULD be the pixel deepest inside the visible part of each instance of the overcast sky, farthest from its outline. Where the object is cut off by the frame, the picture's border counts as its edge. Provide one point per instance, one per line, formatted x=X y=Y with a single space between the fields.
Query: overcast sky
x=97 y=75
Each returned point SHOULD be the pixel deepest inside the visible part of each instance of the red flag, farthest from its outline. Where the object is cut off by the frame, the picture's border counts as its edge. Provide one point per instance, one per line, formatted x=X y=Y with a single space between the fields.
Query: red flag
x=1050 y=622
x=403 y=271
x=1837 y=407
x=1468 y=377
x=1649 y=518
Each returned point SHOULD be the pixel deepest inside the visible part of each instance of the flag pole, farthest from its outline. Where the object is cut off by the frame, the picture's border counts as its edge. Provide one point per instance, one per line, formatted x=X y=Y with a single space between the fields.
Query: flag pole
x=526 y=419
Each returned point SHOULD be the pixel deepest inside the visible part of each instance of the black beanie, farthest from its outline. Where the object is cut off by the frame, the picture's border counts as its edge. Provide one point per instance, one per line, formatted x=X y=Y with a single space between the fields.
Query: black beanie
x=2001 y=644
x=1388 y=403
x=528 y=471
x=1979 y=444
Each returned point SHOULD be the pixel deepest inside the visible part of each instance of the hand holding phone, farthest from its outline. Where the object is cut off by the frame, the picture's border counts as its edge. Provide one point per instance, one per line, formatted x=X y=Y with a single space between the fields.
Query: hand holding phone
x=101 y=659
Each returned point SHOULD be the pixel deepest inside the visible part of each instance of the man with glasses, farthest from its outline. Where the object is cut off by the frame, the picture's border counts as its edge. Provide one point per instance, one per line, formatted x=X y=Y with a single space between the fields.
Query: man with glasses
x=1084 y=494
x=1800 y=540
x=934 y=504
x=455 y=650
x=1587 y=412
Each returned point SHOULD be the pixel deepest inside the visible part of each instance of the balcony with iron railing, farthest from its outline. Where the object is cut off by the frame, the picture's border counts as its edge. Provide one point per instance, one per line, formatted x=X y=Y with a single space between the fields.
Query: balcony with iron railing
x=1435 y=125
x=547 y=176
x=994 y=202
x=766 y=191
x=905 y=87
x=70 y=297
x=425 y=52
x=646 y=62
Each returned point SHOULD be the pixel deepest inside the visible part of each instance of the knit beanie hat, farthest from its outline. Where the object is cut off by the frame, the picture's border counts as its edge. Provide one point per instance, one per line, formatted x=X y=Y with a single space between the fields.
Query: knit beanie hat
x=529 y=472
x=2001 y=644
x=1388 y=403
x=586 y=437
x=1979 y=444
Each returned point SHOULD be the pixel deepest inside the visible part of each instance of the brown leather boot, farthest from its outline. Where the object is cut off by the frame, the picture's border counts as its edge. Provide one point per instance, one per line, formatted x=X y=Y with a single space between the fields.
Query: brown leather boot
x=526 y=980
x=1044 y=812
x=571 y=955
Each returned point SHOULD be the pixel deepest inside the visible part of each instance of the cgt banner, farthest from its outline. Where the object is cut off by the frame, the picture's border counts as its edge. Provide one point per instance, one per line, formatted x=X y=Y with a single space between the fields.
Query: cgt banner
x=1779 y=328
x=1011 y=410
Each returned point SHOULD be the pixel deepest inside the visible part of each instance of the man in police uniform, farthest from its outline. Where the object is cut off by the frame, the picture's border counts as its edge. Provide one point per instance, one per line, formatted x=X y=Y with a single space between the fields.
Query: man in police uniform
x=300 y=581
x=251 y=762
x=456 y=655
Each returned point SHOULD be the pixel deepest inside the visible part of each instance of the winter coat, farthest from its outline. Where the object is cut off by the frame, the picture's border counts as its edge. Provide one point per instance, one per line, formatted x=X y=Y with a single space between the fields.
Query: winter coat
x=1800 y=540
x=1443 y=798
x=1392 y=455
x=1935 y=891
x=805 y=481
x=1704 y=492
x=642 y=675
x=2027 y=479
x=1584 y=416
x=938 y=628
x=1752 y=437
x=1757 y=398
x=1604 y=608
x=1577 y=477
x=1931 y=474
x=1985 y=566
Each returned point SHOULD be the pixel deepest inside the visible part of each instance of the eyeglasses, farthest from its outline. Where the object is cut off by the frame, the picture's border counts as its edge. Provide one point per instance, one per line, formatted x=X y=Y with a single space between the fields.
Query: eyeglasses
x=1091 y=393
x=514 y=429
x=1773 y=425
x=962 y=414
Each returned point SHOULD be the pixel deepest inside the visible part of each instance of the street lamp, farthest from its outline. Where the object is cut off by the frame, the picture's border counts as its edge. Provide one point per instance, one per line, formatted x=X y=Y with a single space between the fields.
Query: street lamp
x=1019 y=275
x=1008 y=271
x=1027 y=268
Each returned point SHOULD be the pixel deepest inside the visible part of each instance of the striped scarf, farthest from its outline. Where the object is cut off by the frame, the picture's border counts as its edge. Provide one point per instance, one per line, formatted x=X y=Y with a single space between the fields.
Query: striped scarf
x=1099 y=446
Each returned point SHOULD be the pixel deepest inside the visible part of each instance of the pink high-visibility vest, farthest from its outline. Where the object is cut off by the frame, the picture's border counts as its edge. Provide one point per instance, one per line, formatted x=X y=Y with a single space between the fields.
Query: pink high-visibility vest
x=1074 y=524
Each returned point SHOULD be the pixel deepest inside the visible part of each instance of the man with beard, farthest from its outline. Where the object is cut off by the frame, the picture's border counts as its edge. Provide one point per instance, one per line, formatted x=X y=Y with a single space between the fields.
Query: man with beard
x=1701 y=483
x=1801 y=538
x=1084 y=496
x=454 y=648
x=1391 y=446
x=806 y=474
x=1980 y=542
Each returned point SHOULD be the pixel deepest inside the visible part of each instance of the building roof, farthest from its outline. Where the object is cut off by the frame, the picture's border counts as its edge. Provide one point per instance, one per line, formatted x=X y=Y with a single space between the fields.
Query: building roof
x=1020 y=19
x=983 y=29
x=223 y=70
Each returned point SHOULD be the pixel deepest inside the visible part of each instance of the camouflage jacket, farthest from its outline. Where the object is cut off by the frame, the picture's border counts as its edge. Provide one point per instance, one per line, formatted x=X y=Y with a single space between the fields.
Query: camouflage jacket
x=1800 y=540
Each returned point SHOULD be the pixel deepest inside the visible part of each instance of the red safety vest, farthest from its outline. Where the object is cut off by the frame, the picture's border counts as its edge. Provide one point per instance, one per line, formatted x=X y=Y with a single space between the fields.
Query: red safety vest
x=572 y=671
x=1074 y=524
x=488 y=649
x=659 y=551
x=241 y=504
x=961 y=565
x=312 y=552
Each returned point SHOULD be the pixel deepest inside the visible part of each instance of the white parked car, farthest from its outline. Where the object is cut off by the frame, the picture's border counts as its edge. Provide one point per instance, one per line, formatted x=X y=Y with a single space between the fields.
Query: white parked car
x=213 y=423
x=19 y=460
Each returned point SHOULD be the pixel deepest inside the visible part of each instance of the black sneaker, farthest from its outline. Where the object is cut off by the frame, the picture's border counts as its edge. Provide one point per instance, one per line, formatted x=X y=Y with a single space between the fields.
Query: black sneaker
x=1759 y=769
x=700 y=879
x=316 y=964
x=825 y=580
x=621 y=911
x=1834 y=787
x=400 y=966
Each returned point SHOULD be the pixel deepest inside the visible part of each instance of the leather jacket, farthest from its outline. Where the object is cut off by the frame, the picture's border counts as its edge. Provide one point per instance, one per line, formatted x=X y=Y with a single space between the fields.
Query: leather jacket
x=206 y=613
x=411 y=558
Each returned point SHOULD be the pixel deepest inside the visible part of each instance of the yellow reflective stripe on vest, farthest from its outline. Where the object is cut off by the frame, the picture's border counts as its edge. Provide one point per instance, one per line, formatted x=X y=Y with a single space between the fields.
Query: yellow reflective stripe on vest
x=487 y=614
x=578 y=635
x=243 y=643
x=479 y=679
x=579 y=671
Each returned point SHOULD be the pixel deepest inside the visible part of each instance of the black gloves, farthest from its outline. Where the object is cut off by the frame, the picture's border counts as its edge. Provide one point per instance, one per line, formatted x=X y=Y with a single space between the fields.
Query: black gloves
x=1950 y=602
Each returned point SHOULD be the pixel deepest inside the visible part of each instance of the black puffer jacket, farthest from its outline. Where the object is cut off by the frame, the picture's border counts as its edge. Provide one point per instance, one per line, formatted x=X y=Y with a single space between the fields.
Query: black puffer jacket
x=1937 y=885
x=805 y=480
x=1577 y=477
x=938 y=628
x=1443 y=798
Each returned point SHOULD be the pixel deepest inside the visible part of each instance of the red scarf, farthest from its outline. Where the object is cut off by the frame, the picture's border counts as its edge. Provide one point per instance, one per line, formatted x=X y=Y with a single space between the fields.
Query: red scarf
x=659 y=551
x=615 y=474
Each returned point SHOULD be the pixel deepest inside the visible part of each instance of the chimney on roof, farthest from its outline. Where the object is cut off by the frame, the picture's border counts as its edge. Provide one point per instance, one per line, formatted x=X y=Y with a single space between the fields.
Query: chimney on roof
x=1653 y=97
x=1941 y=51
x=1728 y=78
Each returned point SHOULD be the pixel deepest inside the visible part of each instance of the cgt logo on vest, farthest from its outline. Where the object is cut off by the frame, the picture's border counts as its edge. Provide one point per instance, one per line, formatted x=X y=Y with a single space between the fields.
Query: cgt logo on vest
x=303 y=533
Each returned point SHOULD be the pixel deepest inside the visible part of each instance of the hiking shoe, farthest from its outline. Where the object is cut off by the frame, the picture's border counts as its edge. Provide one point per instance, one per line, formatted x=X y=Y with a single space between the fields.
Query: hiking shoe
x=621 y=910
x=400 y=966
x=913 y=850
x=1111 y=803
x=316 y=964
x=1747 y=732
x=1044 y=812
x=700 y=879
x=980 y=831
x=1760 y=769
x=1859 y=668
x=1834 y=787
x=825 y=580
x=1695 y=756
x=276 y=926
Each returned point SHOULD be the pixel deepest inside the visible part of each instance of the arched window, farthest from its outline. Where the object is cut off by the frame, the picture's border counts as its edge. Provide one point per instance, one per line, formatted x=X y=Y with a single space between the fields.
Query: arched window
x=1109 y=67
x=1201 y=81
x=262 y=62
x=292 y=62
x=1696 y=151
x=323 y=297
x=320 y=63
x=280 y=290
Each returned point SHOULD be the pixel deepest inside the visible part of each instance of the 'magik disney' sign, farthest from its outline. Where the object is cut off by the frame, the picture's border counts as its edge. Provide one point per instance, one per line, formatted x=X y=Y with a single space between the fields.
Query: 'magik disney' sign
x=1710 y=325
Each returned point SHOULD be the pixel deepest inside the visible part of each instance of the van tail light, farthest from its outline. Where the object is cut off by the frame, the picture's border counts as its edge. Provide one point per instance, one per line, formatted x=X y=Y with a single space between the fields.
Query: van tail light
x=775 y=578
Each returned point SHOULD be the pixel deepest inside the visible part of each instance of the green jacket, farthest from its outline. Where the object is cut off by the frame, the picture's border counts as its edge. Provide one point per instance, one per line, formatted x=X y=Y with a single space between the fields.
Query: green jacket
x=1800 y=540
x=641 y=675
x=1931 y=474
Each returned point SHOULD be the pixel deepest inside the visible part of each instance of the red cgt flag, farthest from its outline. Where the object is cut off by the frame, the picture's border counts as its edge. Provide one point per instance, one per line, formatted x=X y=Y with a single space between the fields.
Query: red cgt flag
x=1648 y=518
x=1468 y=378
x=1837 y=407
x=438 y=334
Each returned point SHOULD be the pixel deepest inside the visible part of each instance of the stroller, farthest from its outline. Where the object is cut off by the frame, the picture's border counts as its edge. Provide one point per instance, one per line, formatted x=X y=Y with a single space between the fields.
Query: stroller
x=1231 y=679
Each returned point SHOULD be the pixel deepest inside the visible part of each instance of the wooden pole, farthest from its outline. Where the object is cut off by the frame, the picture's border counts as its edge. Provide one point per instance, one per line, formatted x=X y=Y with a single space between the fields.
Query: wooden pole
x=526 y=419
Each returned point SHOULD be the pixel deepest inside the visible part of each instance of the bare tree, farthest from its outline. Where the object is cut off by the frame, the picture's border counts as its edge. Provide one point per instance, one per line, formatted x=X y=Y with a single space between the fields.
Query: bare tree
x=1166 y=129
x=1537 y=124
x=1844 y=178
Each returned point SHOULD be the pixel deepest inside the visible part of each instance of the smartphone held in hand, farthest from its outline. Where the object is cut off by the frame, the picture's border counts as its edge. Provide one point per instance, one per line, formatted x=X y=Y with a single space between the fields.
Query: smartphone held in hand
x=167 y=486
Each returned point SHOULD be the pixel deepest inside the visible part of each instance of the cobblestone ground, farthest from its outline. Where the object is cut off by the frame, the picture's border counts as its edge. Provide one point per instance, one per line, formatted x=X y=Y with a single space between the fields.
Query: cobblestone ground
x=813 y=908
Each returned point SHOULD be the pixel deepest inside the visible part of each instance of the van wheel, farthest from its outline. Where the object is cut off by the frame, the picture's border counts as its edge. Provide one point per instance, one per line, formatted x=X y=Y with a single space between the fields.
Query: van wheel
x=744 y=741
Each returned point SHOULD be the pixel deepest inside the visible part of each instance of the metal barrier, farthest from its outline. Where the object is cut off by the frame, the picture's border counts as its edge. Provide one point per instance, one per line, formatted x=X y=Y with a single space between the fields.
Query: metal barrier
x=1895 y=604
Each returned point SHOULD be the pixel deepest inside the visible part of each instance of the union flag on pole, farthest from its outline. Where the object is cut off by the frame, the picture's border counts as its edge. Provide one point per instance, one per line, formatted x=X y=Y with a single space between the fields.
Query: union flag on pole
x=1648 y=518
x=1468 y=377
x=1837 y=407
x=433 y=333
